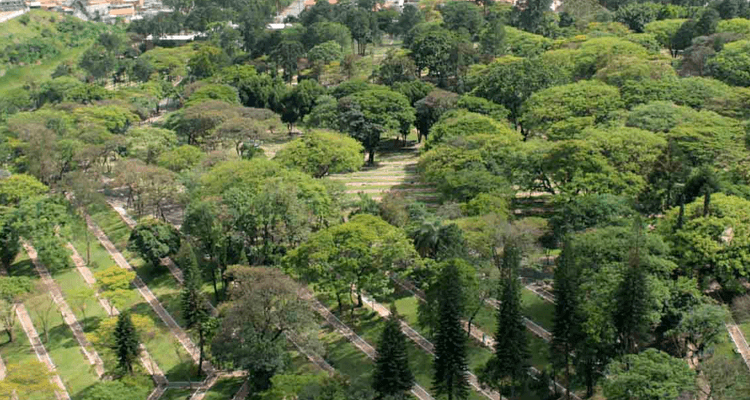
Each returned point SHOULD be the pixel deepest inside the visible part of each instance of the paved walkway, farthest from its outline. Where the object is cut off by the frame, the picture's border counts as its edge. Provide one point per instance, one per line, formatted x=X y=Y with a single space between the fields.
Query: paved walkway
x=243 y=392
x=70 y=319
x=356 y=340
x=41 y=352
x=427 y=346
x=131 y=223
x=739 y=342
x=488 y=340
x=147 y=295
x=148 y=363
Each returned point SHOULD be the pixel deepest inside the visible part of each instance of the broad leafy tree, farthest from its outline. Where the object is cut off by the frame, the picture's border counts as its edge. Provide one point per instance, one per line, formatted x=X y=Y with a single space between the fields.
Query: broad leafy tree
x=320 y=153
x=153 y=240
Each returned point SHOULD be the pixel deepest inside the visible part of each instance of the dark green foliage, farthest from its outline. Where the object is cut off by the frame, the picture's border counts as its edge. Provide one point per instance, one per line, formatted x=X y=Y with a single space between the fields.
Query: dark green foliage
x=636 y=15
x=632 y=302
x=583 y=212
x=529 y=14
x=126 y=342
x=410 y=17
x=10 y=243
x=286 y=55
x=462 y=16
x=392 y=375
x=153 y=240
x=192 y=298
x=567 y=333
x=450 y=365
x=507 y=371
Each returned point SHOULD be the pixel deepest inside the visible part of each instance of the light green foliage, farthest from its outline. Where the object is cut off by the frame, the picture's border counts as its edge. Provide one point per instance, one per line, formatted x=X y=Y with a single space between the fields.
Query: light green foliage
x=29 y=378
x=732 y=64
x=243 y=174
x=169 y=61
x=459 y=123
x=115 y=390
x=359 y=252
x=630 y=68
x=647 y=40
x=651 y=375
x=582 y=99
x=147 y=144
x=322 y=32
x=325 y=52
x=735 y=25
x=665 y=31
x=181 y=158
x=658 y=116
x=116 y=118
x=204 y=92
x=595 y=54
x=113 y=284
x=483 y=106
x=207 y=61
x=18 y=187
x=319 y=153
x=324 y=115
x=713 y=245
x=524 y=44
x=389 y=109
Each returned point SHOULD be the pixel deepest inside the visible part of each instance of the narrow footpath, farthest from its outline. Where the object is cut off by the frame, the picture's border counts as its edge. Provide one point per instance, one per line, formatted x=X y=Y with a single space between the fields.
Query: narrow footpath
x=147 y=295
x=41 y=352
x=148 y=363
x=356 y=340
x=70 y=319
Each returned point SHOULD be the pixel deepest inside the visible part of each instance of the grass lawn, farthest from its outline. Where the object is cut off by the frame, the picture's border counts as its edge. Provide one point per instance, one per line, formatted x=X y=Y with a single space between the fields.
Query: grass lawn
x=73 y=368
x=224 y=389
x=178 y=394
x=163 y=346
x=157 y=278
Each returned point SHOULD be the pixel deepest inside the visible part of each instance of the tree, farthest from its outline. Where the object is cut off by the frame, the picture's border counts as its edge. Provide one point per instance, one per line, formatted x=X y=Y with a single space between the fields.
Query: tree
x=325 y=53
x=450 y=365
x=462 y=15
x=410 y=17
x=456 y=124
x=665 y=32
x=567 y=331
x=264 y=306
x=650 y=375
x=10 y=242
x=17 y=187
x=432 y=49
x=726 y=377
x=356 y=255
x=206 y=62
x=113 y=284
x=397 y=66
x=510 y=81
x=492 y=38
x=147 y=144
x=27 y=379
x=300 y=101
x=632 y=301
x=126 y=342
x=153 y=240
x=181 y=158
x=97 y=62
x=367 y=114
x=507 y=369
x=43 y=307
x=79 y=299
x=12 y=290
x=732 y=64
x=430 y=108
x=199 y=92
x=362 y=24
x=286 y=55
x=320 y=153
x=530 y=14
x=191 y=296
x=392 y=375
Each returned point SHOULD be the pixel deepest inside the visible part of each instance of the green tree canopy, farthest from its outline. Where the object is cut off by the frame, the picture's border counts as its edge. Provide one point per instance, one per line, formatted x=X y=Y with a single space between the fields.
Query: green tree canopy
x=319 y=153
x=650 y=375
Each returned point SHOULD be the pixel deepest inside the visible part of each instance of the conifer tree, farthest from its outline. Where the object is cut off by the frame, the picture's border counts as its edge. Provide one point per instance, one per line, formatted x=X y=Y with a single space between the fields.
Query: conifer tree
x=126 y=342
x=567 y=330
x=507 y=370
x=450 y=377
x=392 y=376
x=191 y=296
x=632 y=301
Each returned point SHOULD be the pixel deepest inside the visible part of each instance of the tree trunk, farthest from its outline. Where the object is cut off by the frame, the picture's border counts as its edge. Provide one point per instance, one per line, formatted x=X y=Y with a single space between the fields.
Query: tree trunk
x=201 y=343
x=341 y=306
x=371 y=156
x=706 y=202
x=360 y=303
x=9 y=331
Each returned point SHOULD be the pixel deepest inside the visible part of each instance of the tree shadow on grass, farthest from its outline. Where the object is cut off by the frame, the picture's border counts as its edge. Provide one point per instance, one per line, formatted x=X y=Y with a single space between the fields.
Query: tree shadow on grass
x=23 y=268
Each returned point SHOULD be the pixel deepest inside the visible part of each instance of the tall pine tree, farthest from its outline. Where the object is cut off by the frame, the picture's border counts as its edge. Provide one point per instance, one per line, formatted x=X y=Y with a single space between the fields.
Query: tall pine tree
x=632 y=300
x=567 y=330
x=450 y=378
x=191 y=296
x=507 y=370
x=392 y=376
x=126 y=342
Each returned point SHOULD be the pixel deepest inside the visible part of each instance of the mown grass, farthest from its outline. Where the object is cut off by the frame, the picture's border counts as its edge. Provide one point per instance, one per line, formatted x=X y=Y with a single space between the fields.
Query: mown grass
x=75 y=371
x=163 y=346
x=224 y=389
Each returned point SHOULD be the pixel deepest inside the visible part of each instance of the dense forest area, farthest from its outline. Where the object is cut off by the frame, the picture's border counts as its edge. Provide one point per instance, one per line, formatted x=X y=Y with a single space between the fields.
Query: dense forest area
x=448 y=200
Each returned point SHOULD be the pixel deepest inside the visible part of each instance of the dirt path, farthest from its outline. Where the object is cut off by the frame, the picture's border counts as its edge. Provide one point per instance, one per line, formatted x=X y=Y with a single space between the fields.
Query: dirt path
x=356 y=340
x=147 y=295
x=70 y=319
x=41 y=352
x=148 y=363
